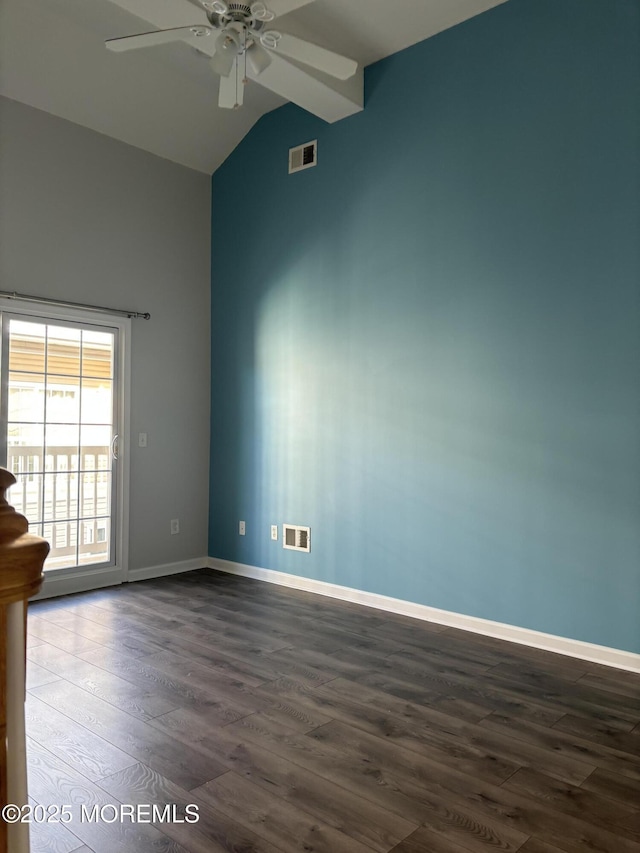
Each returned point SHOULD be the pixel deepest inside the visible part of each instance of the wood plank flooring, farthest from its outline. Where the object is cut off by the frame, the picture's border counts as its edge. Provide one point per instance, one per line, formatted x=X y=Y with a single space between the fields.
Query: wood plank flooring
x=300 y=723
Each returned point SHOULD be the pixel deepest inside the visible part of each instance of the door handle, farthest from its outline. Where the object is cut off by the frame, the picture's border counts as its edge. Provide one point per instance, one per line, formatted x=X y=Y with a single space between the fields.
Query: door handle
x=114 y=446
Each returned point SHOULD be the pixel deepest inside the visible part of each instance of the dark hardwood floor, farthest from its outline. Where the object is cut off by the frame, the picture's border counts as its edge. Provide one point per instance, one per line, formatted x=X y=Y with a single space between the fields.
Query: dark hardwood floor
x=299 y=723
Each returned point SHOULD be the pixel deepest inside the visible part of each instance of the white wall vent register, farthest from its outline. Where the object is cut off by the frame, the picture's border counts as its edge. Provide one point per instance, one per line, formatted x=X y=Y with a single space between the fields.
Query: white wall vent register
x=296 y=538
x=303 y=156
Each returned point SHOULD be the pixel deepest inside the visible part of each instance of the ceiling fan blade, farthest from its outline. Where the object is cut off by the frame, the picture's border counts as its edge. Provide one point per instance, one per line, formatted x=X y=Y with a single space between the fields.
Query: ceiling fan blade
x=310 y=54
x=231 y=92
x=323 y=98
x=157 y=37
x=258 y=58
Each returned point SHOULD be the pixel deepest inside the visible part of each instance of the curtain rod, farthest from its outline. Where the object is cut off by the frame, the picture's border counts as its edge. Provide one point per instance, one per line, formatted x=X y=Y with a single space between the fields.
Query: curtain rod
x=61 y=304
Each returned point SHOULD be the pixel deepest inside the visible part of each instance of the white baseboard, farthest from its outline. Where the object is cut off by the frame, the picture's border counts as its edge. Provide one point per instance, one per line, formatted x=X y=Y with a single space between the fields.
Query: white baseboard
x=161 y=571
x=65 y=583
x=525 y=636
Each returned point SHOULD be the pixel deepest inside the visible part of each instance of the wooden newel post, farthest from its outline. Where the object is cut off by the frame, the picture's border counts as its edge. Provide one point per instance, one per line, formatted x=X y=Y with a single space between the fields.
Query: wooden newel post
x=21 y=558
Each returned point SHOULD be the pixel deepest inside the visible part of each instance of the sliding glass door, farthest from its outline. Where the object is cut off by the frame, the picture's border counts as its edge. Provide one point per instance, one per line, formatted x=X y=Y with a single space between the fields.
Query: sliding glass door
x=59 y=434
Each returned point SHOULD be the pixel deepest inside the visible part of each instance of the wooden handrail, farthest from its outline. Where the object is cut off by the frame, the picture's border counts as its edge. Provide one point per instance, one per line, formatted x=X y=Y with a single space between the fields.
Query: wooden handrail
x=22 y=556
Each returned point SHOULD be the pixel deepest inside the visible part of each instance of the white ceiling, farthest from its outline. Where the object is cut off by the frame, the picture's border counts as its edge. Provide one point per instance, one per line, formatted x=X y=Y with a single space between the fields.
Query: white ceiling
x=164 y=99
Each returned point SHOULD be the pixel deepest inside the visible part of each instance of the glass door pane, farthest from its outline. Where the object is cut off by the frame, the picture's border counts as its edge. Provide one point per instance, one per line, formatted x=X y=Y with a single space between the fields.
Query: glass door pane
x=58 y=422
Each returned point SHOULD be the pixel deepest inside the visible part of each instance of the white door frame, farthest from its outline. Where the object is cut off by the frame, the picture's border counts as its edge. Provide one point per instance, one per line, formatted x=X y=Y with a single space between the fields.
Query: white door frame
x=77 y=579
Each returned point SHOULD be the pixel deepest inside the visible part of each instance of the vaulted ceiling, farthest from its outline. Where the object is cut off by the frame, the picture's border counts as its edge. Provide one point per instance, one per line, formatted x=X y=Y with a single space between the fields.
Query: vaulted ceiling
x=164 y=99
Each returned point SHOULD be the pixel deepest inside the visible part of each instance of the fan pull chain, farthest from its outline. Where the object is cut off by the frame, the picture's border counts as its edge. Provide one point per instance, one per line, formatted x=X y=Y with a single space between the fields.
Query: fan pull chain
x=236 y=66
x=244 y=58
x=241 y=74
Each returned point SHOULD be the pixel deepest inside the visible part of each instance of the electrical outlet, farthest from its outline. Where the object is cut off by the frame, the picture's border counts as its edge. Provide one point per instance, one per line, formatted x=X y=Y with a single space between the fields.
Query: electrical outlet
x=242 y=528
x=274 y=532
x=175 y=526
x=142 y=439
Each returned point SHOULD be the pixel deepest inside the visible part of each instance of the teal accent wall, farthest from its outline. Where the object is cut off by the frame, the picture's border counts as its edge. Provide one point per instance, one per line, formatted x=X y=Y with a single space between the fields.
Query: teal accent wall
x=427 y=348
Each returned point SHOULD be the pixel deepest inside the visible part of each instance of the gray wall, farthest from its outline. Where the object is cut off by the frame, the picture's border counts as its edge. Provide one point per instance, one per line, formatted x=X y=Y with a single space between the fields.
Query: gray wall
x=89 y=219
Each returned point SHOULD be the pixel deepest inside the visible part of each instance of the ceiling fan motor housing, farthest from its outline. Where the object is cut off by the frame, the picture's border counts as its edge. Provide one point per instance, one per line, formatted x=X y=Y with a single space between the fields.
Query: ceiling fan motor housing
x=239 y=13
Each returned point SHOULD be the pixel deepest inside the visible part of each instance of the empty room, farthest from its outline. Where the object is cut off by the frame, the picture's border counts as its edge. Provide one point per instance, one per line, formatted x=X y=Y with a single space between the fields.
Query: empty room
x=320 y=426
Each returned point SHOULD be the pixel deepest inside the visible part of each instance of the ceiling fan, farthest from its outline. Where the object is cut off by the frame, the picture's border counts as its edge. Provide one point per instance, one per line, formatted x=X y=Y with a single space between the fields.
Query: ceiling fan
x=242 y=46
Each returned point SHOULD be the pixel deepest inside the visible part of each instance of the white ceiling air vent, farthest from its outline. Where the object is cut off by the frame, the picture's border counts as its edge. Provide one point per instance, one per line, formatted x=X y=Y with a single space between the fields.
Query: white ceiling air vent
x=296 y=538
x=303 y=156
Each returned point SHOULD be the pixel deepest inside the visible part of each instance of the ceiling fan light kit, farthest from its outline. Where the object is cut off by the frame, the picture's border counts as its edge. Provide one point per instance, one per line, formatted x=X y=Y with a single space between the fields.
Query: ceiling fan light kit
x=258 y=60
x=227 y=49
x=244 y=48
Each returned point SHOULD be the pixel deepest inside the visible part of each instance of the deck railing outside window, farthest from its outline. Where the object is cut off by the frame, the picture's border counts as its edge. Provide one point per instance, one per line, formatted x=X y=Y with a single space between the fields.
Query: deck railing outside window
x=66 y=497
